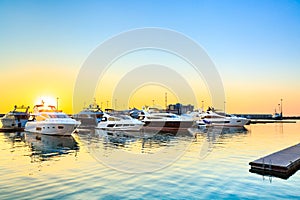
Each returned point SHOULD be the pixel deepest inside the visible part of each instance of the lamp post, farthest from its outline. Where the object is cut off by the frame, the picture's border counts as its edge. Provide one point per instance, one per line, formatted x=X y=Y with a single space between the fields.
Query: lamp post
x=57 y=103
x=281 y=107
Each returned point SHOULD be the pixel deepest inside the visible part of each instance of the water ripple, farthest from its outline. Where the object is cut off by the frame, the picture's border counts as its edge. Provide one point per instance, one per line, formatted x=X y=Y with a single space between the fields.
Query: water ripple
x=65 y=168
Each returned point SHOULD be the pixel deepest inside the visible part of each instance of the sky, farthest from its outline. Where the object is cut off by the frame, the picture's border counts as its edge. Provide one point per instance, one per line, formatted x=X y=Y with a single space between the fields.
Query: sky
x=255 y=46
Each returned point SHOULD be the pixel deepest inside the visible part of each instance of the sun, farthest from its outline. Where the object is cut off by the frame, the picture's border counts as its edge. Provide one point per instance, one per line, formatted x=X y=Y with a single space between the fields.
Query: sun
x=47 y=100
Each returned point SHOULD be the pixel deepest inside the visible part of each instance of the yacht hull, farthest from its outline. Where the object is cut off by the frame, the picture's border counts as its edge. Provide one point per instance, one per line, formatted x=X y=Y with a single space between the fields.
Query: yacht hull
x=49 y=128
x=167 y=125
x=119 y=127
x=225 y=123
x=119 y=122
x=12 y=123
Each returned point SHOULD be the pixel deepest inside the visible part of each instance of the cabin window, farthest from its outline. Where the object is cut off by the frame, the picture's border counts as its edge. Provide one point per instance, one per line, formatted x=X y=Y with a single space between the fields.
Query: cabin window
x=24 y=116
x=99 y=115
x=141 y=117
x=38 y=128
x=113 y=119
x=154 y=117
x=60 y=127
x=45 y=115
x=110 y=125
x=58 y=116
x=40 y=118
x=104 y=119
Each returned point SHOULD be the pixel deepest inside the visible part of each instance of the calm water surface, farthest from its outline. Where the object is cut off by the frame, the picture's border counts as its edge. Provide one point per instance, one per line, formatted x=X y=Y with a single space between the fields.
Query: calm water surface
x=100 y=165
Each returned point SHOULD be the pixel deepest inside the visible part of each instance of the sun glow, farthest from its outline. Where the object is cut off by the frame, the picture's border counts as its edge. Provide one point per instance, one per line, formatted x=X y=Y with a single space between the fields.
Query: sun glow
x=46 y=100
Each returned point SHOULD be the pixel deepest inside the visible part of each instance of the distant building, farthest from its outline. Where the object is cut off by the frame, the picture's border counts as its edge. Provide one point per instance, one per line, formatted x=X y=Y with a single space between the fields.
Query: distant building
x=179 y=108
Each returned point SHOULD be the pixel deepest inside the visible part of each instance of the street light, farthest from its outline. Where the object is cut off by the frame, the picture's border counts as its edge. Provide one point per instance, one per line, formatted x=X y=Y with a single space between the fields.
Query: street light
x=57 y=103
x=281 y=108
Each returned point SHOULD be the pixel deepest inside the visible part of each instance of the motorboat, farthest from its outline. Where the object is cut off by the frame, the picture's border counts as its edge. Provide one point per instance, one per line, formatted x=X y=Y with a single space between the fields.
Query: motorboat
x=164 y=121
x=16 y=119
x=119 y=121
x=277 y=116
x=50 y=121
x=211 y=118
x=90 y=116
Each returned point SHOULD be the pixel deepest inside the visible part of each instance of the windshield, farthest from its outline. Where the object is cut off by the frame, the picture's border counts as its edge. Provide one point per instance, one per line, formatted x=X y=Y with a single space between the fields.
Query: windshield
x=58 y=115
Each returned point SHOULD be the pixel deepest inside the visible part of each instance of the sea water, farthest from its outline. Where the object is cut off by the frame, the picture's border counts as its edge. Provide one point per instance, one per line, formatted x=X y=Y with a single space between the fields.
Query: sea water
x=95 y=164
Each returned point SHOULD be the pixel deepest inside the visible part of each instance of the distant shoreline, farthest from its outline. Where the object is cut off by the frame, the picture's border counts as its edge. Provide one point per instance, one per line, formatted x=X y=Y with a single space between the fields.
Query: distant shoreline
x=291 y=117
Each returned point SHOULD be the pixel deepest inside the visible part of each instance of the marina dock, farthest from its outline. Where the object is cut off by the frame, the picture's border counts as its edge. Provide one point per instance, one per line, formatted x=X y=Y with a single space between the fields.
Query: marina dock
x=266 y=121
x=15 y=129
x=281 y=164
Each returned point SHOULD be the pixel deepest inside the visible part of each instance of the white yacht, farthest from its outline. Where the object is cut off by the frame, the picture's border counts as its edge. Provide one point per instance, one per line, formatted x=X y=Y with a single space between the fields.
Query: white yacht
x=116 y=121
x=15 y=119
x=90 y=116
x=211 y=118
x=163 y=121
x=50 y=121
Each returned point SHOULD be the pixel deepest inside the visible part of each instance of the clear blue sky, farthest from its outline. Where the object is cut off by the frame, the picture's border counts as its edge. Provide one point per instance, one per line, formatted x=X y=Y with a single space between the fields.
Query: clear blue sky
x=253 y=43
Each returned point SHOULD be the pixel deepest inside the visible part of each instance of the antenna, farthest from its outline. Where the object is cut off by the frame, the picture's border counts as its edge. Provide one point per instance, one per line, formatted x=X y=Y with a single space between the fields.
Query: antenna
x=166 y=100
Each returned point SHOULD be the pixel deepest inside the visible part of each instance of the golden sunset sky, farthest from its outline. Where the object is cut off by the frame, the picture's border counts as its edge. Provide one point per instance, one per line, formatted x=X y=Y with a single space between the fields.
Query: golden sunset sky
x=254 y=45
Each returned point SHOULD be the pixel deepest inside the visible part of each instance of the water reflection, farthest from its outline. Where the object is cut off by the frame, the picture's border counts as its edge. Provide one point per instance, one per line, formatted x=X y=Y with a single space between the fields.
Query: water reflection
x=212 y=134
x=149 y=142
x=209 y=137
x=43 y=147
x=15 y=138
x=135 y=152
x=46 y=146
x=126 y=137
x=123 y=138
x=223 y=130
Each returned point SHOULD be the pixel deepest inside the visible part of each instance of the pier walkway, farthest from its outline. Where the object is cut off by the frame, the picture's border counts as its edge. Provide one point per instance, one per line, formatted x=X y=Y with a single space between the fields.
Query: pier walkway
x=281 y=164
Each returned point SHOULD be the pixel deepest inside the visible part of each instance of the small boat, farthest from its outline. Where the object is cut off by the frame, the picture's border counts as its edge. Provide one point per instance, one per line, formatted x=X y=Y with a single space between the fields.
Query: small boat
x=164 y=121
x=277 y=116
x=50 y=121
x=211 y=118
x=117 y=121
x=16 y=119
